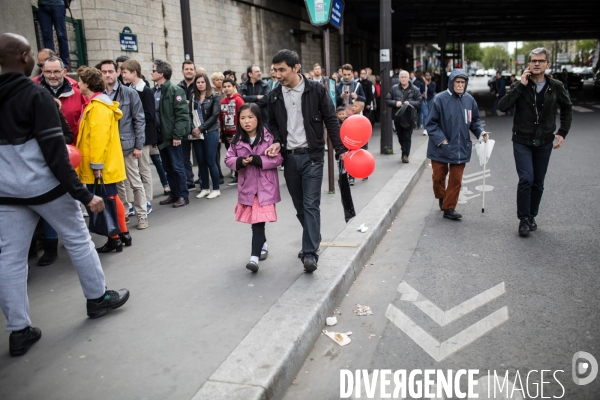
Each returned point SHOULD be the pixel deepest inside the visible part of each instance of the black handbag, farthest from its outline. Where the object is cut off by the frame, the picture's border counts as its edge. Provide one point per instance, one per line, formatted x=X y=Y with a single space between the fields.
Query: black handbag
x=105 y=222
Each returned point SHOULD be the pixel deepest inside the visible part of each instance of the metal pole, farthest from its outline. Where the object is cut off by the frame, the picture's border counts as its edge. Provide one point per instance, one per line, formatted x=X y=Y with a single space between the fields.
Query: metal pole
x=186 y=27
x=462 y=60
x=342 y=45
x=330 y=163
x=385 y=33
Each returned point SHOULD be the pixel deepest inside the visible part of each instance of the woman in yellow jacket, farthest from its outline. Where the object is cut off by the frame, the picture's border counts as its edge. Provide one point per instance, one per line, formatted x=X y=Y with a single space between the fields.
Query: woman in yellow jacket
x=100 y=147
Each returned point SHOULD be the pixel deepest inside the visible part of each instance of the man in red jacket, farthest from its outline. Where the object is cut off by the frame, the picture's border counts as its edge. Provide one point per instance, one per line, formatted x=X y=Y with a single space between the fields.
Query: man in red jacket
x=230 y=105
x=55 y=80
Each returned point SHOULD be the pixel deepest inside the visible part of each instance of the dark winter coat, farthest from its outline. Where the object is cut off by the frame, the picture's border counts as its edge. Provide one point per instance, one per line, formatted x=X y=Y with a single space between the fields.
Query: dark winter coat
x=530 y=127
x=451 y=116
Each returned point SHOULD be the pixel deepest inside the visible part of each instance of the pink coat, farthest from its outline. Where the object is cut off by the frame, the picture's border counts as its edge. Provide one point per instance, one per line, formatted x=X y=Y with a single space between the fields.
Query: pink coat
x=253 y=180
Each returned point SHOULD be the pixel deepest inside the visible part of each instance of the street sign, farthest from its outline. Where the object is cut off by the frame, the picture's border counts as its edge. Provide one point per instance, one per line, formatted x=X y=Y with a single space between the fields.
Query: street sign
x=384 y=55
x=319 y=11
x=128 y=40
x=521 y=58
x=336 y=14
x=325 y=12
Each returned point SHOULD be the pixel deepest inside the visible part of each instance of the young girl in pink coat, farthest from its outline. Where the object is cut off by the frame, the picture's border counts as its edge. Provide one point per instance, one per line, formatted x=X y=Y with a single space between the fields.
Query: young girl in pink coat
x=258 y=181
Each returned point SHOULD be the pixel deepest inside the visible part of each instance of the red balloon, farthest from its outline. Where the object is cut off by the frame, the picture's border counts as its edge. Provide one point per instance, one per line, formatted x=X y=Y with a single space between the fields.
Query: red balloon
x=359 y=163
x=74 y=155
x=356 y=132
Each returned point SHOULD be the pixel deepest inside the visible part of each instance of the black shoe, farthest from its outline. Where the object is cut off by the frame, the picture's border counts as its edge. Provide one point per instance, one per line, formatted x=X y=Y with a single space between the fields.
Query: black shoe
x=112 y=244
x=50 y=252
x=451 y=214
x=366 y=179
x=191 y=186
x=20 y=341
x=252 y=266
x=532 y=224
x=441 y=201
x=233 y=182
x=310 y=263
x=300 y=254
x=168 y=201
x=110 y=301
x=351 y=181
x=182 y=201
x=524 y=228
x=126 y=239
x=221 y=181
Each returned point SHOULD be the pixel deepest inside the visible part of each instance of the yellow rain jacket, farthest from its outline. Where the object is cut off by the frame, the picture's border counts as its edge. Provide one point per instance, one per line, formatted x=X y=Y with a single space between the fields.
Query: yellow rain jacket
x=99 y=142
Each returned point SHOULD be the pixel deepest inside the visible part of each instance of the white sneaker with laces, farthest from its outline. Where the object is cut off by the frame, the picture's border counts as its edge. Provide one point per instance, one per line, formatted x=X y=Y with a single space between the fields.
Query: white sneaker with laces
x=213 y=194
x=203 y=193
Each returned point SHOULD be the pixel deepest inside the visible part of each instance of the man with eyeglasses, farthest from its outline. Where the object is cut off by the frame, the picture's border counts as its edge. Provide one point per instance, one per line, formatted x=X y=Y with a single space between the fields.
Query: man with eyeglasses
x=55 y=80
x=536 y=98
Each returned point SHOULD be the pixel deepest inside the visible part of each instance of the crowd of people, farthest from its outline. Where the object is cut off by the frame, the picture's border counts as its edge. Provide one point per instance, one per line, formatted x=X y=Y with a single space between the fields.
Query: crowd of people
x=121 y=127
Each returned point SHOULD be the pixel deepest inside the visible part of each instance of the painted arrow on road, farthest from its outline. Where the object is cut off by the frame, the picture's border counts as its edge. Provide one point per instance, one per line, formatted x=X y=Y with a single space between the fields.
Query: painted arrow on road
x=439 y=351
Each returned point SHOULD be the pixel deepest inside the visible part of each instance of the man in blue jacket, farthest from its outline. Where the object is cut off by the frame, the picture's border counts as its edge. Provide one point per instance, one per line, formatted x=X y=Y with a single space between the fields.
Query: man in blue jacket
x=451 y=115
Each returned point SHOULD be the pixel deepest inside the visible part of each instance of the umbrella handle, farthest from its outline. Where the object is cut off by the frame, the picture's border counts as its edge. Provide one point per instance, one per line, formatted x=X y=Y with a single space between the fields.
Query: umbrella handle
x=484 y=165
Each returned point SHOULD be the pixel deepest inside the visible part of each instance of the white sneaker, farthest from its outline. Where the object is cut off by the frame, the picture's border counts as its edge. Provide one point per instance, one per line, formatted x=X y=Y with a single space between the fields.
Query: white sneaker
x=213 y=194
x=424 y=132
x=203 y=193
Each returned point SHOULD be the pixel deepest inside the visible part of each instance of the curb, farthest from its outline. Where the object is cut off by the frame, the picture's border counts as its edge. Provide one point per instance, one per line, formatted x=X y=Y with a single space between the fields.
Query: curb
x=267 y=360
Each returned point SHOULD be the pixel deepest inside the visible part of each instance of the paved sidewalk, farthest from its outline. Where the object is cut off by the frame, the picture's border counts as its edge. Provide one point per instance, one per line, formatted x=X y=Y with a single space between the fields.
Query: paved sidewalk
x=193 y=302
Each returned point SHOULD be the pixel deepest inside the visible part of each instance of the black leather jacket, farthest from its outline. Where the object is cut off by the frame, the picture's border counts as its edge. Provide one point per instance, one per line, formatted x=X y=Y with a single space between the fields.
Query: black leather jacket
x=211 y=107
x=533 y=128
x=317 y=109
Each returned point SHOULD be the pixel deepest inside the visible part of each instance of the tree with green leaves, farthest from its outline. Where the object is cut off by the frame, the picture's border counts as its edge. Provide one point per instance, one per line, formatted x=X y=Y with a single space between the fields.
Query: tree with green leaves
x=473 y=52
x=495 y=57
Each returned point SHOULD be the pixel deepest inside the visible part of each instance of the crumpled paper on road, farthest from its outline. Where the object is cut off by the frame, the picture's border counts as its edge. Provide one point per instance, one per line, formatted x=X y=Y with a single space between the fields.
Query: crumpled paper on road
x=361 y=310
x=340 y=338
x=362 y=228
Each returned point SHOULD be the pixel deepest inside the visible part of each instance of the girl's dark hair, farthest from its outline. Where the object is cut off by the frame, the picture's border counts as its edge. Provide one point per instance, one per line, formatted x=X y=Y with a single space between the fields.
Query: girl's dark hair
x=209 y=89
x=241 y=134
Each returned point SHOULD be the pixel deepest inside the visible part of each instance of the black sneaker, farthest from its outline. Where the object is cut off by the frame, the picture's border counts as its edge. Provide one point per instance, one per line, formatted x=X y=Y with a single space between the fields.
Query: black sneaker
x=452 y=214
x=110 y=301
x=351 y=181
x=232 y=182
x=310 y=263
x=524 y=228
x=20 y=341
x=532 y=224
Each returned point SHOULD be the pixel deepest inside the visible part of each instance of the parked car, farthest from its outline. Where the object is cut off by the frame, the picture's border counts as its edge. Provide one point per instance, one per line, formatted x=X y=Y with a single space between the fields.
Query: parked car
x=584 y=72
x=480 y=72
x=597 y=83
x=490 y=72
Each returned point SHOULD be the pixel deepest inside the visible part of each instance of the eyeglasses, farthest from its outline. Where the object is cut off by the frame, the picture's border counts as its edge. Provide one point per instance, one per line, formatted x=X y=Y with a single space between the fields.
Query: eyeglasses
x=537 y=61
x=57 y=73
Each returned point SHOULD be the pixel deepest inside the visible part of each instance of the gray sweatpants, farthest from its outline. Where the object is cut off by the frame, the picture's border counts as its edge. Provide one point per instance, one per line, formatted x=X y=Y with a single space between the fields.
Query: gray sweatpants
x=17 y=224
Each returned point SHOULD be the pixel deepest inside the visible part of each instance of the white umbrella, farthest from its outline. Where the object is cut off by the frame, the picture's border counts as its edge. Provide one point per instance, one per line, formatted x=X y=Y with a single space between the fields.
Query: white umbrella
x=484 y=151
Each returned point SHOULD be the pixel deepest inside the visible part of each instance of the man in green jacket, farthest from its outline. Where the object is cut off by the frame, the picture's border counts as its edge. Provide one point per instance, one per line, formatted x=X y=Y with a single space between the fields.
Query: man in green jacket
x=173 y=123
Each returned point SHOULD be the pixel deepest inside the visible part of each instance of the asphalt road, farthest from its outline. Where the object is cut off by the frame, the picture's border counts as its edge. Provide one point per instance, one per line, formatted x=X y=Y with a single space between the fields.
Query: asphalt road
x=539 y=304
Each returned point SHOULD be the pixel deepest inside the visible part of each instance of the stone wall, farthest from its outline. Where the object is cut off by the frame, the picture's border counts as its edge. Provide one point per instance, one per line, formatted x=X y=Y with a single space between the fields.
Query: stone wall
x=227 y=34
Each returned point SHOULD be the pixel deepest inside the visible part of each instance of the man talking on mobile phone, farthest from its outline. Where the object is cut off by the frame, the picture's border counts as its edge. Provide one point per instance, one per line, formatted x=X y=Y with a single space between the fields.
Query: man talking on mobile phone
x=536 y=98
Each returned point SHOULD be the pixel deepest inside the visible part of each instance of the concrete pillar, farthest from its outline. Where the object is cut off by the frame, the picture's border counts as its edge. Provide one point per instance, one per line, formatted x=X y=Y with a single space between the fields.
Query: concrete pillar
x=17 y=17
x=385 y=38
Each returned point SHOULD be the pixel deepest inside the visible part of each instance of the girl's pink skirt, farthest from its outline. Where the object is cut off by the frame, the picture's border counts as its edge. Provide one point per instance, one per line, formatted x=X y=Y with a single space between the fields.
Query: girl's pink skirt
x=255 y=213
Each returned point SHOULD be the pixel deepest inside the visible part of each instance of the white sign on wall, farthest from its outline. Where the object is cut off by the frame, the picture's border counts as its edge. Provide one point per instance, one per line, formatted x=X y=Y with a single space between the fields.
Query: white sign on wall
x=384 y=55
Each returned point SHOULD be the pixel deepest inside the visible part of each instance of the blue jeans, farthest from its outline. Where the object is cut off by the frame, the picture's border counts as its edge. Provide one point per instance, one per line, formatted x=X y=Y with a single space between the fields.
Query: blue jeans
x=172 y=158
x=49 y=232
x=303 y=178
x=159 y=169
x=532 y=164
x=206 y=154
x=424 y=110
x=186 y=147
x=495 y=107
x=54 y=15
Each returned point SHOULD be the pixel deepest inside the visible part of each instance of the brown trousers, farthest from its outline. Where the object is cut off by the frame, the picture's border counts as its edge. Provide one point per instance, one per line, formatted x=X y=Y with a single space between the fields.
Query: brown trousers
x=451 y=192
